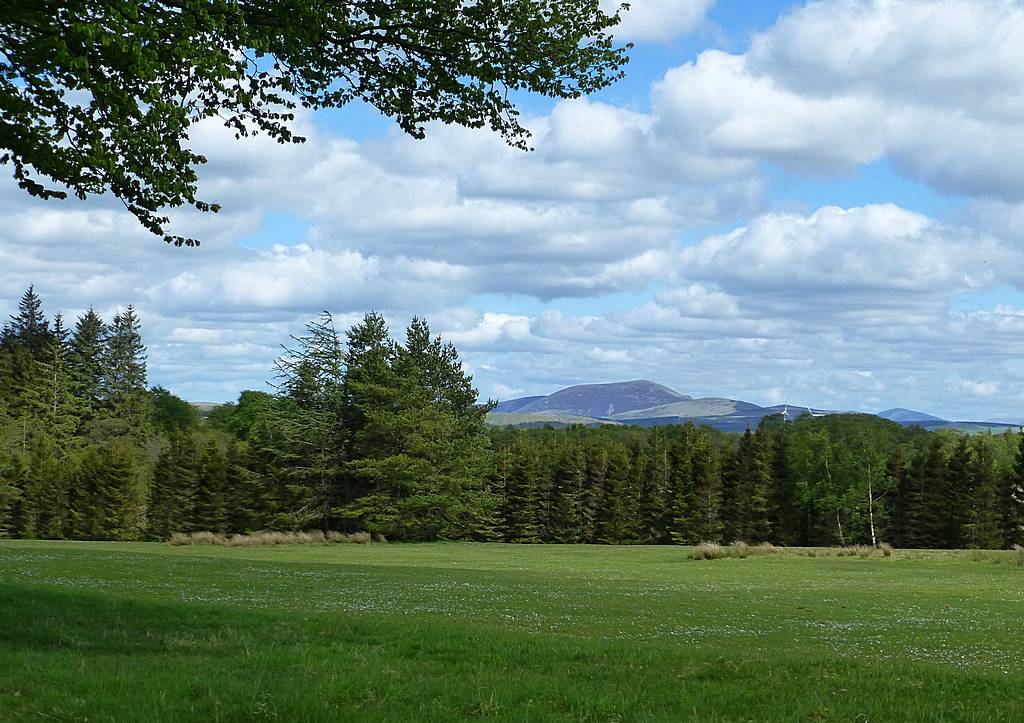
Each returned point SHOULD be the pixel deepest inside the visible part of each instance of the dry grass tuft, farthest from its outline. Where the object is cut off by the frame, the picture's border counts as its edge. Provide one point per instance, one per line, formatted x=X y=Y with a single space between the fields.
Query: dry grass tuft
x=738 y=548
x=886 y=549
x=1019 y=549
x=315 y=537
x=708 y=551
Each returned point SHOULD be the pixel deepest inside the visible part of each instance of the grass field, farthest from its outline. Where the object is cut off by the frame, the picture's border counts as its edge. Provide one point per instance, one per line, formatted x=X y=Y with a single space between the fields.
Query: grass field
x=147 y=632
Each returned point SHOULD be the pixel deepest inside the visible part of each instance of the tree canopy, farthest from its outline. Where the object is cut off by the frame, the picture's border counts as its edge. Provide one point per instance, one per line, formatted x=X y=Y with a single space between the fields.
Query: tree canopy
x=98 y=96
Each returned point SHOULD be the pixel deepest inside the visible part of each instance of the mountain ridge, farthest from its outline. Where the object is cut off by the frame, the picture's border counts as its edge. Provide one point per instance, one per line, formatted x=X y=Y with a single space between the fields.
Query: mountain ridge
x=646 y=403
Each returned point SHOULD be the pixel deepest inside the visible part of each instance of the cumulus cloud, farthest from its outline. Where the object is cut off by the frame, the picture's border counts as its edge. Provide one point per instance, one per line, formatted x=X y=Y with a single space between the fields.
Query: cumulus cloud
x=657 y=20
x=934 y=84
x=872 y=248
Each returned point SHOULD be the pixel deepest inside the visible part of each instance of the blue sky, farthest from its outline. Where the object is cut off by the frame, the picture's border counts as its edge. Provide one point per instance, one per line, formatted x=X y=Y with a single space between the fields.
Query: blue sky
x=817 y=203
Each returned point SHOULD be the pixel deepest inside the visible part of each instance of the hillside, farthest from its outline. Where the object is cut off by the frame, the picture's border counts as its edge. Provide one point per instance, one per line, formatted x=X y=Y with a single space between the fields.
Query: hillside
x=603 y=401
x=909 y=416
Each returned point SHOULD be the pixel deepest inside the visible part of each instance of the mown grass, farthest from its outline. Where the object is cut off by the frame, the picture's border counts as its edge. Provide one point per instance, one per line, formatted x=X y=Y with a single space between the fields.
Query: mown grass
x=122 y=631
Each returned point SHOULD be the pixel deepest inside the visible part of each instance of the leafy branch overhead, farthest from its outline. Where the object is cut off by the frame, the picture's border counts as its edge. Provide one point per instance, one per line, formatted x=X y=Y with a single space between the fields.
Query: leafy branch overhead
x=99 y=95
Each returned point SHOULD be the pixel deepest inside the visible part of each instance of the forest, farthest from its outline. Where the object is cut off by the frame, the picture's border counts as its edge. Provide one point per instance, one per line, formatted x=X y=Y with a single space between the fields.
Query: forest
x=365 y=433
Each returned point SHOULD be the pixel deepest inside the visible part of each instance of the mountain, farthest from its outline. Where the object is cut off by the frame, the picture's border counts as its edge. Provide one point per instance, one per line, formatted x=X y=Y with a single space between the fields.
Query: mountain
x=909 y=416
x=647 y=404
x=603 y=401
x=514 y=405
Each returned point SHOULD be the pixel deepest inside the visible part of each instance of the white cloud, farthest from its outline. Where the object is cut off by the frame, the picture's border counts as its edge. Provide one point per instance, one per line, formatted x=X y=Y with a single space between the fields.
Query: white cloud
x=979 y=389
x=658 y=20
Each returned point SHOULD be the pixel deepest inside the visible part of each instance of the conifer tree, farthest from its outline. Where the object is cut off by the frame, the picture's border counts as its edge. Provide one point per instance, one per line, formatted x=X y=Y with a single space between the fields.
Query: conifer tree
x=959 y=493
x=705 y=522
x=1012 y=497
x=613 y=524
x=655 y=498
x=984 y=530
x=211 y=490
x=171 y=493
x=124 y=377
x=29 y=327
x=567 y=525
x=310 y=382
x=12 y=475
x=683 y=491
x=86 y=363
x=46 y=482
x=520 y=506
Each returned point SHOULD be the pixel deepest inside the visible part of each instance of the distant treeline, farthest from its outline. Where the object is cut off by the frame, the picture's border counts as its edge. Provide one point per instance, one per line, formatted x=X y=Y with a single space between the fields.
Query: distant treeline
x=367 y=434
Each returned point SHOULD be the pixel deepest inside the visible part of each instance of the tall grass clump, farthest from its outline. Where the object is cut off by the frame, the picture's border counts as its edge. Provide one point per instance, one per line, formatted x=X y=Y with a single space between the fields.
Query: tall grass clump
x=886 y=549
x=740 y=549
x=315 y=537
x=1019 y=549
x=707 y=551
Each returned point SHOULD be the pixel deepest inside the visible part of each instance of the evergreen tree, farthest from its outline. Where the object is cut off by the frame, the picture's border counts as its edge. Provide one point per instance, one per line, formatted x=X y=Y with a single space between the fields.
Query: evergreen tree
x=613 y=520
x=124 y=379
x=521 y=503
x=211 y=490
x=1012 y=497
x=310 y=381
x=86 y=363
x=959 y=493
x=682 y=485
x=704 y=521
x=170 y=507
x=655 y=498
x=29 y=327
x=570 y=478
x=984 y=531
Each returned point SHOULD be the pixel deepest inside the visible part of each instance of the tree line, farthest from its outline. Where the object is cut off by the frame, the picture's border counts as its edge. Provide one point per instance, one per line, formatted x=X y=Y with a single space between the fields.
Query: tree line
x=365 y=433
x=816 y=481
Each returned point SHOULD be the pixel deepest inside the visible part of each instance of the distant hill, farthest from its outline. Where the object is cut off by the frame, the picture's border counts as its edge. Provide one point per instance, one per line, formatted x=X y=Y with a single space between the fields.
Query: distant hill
x=909 y=416
x=645 y=403
x=514 y=405
x=708 y=407
x=527 y=420
x=604 y=401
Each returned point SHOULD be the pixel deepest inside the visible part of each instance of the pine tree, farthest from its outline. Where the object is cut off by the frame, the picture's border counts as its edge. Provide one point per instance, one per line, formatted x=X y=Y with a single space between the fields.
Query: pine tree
x=593 y=493
x=59 y=410
x=29 y=327
x=682 y=492
x=521 y=503
x=567 y=495
x=655 y=498
x=984 y=531
x=613 y=519
x=211 y=490
x=12 y=476
x=311 y=385
x=705 y=522
x=959 y=492
x=1012 y=497
x=86 y=363
x=898 y=479
x=47 y=482
x=124 y=378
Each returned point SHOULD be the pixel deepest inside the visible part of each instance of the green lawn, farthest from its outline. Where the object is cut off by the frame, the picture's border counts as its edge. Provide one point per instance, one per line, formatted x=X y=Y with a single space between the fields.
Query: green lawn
x=147 y=632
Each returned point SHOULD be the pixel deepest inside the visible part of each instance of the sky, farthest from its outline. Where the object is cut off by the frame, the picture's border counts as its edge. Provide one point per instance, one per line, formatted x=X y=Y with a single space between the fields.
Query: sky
x=816 y=203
